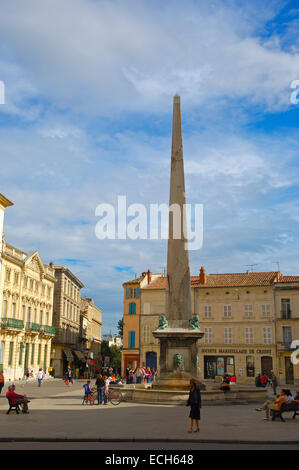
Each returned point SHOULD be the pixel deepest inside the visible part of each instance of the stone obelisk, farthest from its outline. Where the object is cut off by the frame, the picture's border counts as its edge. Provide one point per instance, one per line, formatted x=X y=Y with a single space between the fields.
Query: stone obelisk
x=178 y=331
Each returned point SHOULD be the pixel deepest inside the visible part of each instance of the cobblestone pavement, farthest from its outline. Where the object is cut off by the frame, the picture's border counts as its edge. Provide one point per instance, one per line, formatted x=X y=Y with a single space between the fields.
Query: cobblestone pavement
x=57 y=413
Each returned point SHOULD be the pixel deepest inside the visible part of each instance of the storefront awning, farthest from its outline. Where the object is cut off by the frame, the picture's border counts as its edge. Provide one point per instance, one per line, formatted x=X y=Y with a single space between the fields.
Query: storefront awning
x=79 y=355
x=68 y=354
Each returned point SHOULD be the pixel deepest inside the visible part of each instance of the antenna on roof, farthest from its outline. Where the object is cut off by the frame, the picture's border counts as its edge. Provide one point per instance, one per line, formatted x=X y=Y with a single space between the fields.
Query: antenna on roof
x=250 y=266
x=278 y=265
x=163 y=270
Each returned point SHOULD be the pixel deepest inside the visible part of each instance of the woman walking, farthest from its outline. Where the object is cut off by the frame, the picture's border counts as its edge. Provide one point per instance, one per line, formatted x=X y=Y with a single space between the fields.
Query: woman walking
x=106 y=390
x=40 y=376
x=1 y=381
x=194 y=401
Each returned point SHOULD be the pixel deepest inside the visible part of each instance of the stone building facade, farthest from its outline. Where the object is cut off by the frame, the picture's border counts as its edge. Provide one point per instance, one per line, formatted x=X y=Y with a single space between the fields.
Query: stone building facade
x=286 y=300
x=91 y=333
x=130 y=356
x=27 y=287
x=248 y=320
x=66 y=345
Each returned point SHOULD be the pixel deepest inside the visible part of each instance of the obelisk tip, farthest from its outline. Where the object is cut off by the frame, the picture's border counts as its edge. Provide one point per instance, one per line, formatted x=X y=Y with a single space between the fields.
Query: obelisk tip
x=176 y=98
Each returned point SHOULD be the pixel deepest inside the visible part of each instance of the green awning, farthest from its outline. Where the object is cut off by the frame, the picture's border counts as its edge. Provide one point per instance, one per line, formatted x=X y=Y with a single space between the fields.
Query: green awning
x=79 y=355
x=68 y=354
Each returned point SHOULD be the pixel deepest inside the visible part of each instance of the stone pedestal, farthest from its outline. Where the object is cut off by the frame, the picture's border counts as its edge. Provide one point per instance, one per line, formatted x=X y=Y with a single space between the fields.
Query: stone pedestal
x=178 y=357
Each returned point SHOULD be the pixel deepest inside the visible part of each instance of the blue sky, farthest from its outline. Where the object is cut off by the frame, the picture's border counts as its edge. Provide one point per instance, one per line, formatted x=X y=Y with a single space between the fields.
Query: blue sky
x=89 y=87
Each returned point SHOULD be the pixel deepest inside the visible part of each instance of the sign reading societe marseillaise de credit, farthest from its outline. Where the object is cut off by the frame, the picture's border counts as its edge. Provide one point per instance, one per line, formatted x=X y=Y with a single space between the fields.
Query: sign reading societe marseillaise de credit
x=236 y=351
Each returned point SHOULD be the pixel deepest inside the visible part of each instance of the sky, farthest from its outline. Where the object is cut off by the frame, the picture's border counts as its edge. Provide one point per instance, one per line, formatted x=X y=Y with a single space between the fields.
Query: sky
x=88 y=116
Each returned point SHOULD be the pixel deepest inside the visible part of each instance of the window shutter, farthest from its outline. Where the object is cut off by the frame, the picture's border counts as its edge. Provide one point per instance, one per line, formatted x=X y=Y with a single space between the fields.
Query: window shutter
x=127 y=292
x=131 y=339
x=137 y=292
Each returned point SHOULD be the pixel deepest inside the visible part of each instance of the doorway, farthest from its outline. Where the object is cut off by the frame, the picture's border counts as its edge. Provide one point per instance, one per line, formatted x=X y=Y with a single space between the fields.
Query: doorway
x=289 y=370
x=267 y=364
x=151 y=360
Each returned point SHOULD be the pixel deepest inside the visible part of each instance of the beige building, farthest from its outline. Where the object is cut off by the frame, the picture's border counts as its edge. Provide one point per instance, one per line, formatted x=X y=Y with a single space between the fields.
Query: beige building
x=27 y=287
x=66 y=345
x=286 y=299
x=130 y=356
x=91 y=333
x=246 y=332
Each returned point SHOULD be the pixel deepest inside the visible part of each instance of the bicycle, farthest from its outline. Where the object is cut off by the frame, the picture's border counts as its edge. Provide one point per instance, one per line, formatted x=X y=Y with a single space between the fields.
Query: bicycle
x=92 y=397
x=115 y=397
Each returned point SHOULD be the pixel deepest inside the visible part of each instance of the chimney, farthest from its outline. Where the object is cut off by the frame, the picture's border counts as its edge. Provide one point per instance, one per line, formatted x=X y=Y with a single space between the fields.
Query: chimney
x=202 y=276
x=149 y=276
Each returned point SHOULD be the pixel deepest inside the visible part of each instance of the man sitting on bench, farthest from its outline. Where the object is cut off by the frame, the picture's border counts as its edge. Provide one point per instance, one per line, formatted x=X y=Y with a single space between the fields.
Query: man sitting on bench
x=17 y=399
x=270 y=405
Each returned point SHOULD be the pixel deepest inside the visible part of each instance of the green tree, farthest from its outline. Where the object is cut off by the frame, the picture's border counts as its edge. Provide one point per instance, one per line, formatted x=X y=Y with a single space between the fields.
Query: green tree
x=120 y=327
x=113 y=352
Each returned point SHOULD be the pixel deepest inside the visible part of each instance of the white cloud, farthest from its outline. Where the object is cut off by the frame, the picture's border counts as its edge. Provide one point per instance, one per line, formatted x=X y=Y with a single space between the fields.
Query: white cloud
x=105 y=57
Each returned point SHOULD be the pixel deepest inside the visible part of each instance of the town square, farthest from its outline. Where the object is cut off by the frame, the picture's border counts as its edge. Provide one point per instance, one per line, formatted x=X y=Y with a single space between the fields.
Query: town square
x=149 y=277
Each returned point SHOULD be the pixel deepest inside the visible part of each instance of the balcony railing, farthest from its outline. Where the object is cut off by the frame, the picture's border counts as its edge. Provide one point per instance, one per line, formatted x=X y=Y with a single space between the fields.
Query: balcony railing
x=48 y=330
x=12 y=323
x=286 y=314
x=33 y=327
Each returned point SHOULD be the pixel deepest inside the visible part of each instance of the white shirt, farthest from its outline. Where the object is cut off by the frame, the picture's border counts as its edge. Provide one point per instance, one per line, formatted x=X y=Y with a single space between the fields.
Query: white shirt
x=40 y=374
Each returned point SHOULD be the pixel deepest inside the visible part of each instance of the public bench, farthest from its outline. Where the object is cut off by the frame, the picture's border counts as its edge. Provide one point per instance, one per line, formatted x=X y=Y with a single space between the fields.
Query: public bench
x=15 y=407
x=285 y=408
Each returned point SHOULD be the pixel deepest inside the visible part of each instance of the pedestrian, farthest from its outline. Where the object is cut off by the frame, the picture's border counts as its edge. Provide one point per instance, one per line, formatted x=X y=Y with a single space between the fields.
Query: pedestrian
x=138 y=375
x=264 y=380
x=273 y=405
x=87 y=391
x=274 y=382
x=288 y=394
x=1 y=381
x=27 y=374
x=143 y=370
x=225 y=385
x=106 y=389
x=148 y=375
x=18 y=399
x=100 y=383
x=70 y=375
x=297 y=395
x=258 y=382
x=40 y=376
x=233 y=379
x=194 y=401
x=127 y=375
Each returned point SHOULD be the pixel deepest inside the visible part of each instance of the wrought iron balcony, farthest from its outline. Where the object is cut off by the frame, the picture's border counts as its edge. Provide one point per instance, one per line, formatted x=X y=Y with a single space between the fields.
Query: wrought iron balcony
x=33 y=327
x=48 y=330
x=286 y=314
x=12 y=323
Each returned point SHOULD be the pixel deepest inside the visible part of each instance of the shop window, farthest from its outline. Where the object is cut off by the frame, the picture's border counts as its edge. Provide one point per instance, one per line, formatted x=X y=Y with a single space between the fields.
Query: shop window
x=250 y=366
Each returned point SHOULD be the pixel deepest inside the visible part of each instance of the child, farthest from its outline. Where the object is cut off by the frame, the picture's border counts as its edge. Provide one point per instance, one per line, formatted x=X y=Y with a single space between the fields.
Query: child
x=87 y=390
